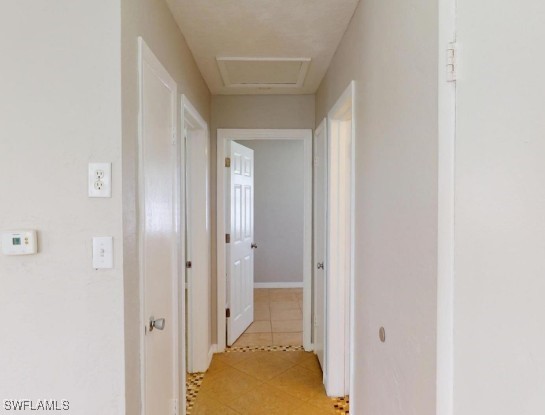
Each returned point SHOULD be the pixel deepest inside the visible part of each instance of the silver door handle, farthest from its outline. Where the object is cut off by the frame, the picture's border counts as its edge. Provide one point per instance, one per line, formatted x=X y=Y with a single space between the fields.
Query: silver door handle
x=254 y=245
x=158 y=324
x=320 y=265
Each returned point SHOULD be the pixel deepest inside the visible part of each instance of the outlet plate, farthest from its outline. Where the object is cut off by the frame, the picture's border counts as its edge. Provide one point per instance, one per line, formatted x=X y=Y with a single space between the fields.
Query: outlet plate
x=100 y=179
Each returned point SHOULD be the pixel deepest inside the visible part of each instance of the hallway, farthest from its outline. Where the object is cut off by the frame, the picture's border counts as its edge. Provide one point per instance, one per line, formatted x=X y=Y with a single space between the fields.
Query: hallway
x=262 y=381
x=124 y=265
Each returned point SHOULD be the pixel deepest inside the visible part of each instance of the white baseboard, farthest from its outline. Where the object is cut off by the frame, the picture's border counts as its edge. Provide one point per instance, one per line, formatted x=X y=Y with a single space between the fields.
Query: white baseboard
x=278 y=284
x=213 y=349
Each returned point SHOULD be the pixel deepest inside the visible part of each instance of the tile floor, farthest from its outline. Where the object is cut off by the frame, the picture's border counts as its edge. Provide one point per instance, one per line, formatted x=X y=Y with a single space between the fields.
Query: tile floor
x=250 y=382
x=278 y=314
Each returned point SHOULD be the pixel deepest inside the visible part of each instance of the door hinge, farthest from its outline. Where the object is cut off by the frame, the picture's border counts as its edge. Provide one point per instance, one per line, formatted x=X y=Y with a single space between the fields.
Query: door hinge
x=227 y=161
x=452 y=63
x=188 y=264
x=227 y=238
x=227 y=312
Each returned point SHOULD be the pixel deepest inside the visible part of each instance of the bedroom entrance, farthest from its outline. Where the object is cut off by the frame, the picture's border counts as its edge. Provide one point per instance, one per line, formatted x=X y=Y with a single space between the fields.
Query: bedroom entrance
x=264 y=238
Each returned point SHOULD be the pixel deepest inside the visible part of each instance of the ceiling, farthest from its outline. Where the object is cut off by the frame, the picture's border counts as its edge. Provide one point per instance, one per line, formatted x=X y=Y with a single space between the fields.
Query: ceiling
x=263 y=46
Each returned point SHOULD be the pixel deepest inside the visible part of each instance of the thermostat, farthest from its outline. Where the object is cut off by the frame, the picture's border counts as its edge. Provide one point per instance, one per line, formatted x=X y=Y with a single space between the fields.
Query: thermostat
x=19 y=243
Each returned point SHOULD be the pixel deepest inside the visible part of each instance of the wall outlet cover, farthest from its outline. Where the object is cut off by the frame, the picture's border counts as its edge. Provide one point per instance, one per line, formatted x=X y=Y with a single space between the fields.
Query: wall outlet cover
x=100 y=179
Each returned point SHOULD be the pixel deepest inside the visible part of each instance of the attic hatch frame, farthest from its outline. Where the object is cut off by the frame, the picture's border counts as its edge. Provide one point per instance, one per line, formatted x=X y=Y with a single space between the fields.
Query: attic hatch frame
x=224 y=71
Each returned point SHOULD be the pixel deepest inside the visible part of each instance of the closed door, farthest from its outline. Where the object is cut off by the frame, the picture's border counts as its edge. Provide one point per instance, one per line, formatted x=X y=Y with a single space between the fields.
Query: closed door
x=320 y=226
x=197 y=250
x=240 y=248
x=158 y=235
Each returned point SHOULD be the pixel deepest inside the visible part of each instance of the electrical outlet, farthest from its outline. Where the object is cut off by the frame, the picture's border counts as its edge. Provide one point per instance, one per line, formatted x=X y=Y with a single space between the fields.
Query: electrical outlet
x=100 y=179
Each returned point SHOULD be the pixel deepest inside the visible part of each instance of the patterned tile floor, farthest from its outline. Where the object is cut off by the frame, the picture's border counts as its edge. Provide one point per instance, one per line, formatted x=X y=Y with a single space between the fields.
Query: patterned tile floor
x=276 y=380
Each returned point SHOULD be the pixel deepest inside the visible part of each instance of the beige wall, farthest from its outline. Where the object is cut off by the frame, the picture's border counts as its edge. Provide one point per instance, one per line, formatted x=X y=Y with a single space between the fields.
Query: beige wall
x=152 y=20
x=499 y=309
x=390 y=49
x=60 y=108
x=279 y=175
x=251 y=111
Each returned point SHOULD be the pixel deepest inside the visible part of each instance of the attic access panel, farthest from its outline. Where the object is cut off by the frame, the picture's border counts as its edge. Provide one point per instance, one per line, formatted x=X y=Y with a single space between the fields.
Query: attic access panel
x=263 y=72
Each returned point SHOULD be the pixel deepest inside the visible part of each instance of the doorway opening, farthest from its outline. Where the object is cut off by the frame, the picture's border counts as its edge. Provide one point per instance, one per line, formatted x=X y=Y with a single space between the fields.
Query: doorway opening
x=237 y=243
x=278 y=218
x=195 y=218
x=339 y=247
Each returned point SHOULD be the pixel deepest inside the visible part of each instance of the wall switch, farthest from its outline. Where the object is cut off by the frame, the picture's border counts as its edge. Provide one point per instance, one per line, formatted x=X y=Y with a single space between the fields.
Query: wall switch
x=103 y=252
x=100 y=179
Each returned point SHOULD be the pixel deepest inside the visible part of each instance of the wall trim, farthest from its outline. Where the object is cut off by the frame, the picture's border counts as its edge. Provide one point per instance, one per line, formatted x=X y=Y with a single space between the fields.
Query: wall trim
x=278 y=284
x=213 y=349
x=340 y=255
x=197 y=235
x=446 y=192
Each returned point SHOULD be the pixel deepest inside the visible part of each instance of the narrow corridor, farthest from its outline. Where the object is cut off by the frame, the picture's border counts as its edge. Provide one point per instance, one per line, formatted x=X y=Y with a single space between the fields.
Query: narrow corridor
x=262 y=381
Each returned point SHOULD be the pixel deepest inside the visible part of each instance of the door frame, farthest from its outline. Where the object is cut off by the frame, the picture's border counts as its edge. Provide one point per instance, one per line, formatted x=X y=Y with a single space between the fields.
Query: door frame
x=223 y=136
x=445 y=215
x=146 y=56
x=200 y=350
x=321 y=128
x=339 y=341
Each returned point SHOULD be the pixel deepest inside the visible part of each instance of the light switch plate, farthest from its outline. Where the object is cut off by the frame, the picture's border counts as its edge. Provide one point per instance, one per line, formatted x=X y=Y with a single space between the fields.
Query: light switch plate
x=103 y=252
x=100 y=179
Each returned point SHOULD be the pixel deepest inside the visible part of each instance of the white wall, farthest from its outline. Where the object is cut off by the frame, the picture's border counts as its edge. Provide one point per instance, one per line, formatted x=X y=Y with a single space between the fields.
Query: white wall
x=390 y=50
x=152 y=20
x=499 y=308
x=60 y=108
x=279 y=210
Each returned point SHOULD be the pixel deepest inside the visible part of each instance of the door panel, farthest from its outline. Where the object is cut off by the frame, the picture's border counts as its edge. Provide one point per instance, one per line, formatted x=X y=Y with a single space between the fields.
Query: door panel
x=240 y=254
x=320 y=226
x=198 y=249
x=158 y=234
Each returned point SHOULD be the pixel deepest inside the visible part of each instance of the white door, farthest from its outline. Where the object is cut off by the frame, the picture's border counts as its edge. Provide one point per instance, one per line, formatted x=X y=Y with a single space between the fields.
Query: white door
x=320 y=226
x=240 y=254
x=197 y=249
x=158 y=235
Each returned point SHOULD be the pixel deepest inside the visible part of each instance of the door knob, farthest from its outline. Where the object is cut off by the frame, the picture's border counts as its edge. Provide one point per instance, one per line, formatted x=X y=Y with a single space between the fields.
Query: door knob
x=158 y=324
x=320 y=265
x=254 y=245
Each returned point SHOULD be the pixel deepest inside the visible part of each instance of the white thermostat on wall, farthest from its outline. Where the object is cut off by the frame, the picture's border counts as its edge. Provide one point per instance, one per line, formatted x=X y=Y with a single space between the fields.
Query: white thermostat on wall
x=19 y=243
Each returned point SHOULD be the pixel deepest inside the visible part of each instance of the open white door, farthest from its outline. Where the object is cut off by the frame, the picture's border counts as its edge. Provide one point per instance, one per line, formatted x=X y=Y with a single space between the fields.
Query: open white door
x=240 y=256
x=158 y=235
x=320 y=241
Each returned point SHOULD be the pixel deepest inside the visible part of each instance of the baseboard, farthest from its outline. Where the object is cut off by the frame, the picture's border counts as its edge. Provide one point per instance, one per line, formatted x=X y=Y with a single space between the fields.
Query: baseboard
x=213 y=349
x=278 y=284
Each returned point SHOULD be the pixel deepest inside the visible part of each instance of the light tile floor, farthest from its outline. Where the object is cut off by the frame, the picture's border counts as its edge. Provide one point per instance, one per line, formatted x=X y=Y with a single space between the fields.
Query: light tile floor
x=278 y=318
x=251 y=382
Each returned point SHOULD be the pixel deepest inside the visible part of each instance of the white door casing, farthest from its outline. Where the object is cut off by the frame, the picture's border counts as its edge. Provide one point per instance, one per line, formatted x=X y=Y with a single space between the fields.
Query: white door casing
x=159 y=233
x=240 y=272
x=340 y=245
x=197 y=179
x=445 y=215
x=320 y=238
